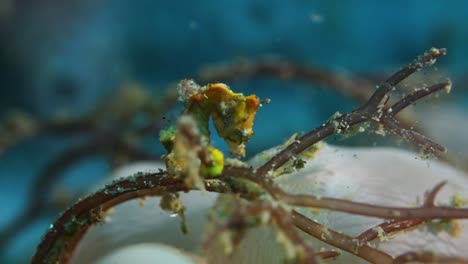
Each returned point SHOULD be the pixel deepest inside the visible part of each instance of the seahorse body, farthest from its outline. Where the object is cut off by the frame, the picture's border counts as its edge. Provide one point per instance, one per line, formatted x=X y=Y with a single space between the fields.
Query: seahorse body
x=233 y=114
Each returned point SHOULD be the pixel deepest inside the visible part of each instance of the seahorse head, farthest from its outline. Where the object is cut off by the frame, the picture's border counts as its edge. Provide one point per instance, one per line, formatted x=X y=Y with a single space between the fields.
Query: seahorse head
x=233 y=115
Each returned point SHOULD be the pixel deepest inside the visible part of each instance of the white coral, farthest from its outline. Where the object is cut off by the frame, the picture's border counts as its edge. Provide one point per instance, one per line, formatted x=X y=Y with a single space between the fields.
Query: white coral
x=383 y=176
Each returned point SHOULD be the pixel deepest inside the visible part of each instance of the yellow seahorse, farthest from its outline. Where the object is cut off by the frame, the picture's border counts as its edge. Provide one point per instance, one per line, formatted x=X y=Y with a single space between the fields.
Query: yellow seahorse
x=233 y=116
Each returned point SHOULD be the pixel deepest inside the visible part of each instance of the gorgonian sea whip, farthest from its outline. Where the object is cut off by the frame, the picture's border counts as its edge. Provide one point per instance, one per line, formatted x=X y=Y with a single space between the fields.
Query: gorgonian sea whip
x=253 y=198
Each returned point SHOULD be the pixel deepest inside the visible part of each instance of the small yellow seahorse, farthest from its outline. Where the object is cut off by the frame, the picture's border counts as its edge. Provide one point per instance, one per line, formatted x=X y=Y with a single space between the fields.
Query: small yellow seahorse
x=233 y=116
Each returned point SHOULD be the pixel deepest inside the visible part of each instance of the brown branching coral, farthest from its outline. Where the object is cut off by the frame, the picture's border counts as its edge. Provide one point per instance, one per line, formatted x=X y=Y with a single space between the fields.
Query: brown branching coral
x=358 y=88
x=254 y=199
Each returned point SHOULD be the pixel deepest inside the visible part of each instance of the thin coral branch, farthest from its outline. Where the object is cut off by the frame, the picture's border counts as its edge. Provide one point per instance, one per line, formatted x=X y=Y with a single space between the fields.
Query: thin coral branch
x=418 y=94
x=370 y=111
x=361 y=249
x=65 y=233
x=385 y=87
x=388 y=212
x=388 y=228
x=359 y=244
x=392 y=125
x=399 y=225
x=429 y=199
x=339 y=240
x=61 y=238
x=308 y=140
x=328 y=254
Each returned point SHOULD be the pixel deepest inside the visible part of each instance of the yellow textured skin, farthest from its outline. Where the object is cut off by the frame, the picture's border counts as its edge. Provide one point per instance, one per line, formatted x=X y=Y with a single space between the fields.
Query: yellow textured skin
x=233 y=113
